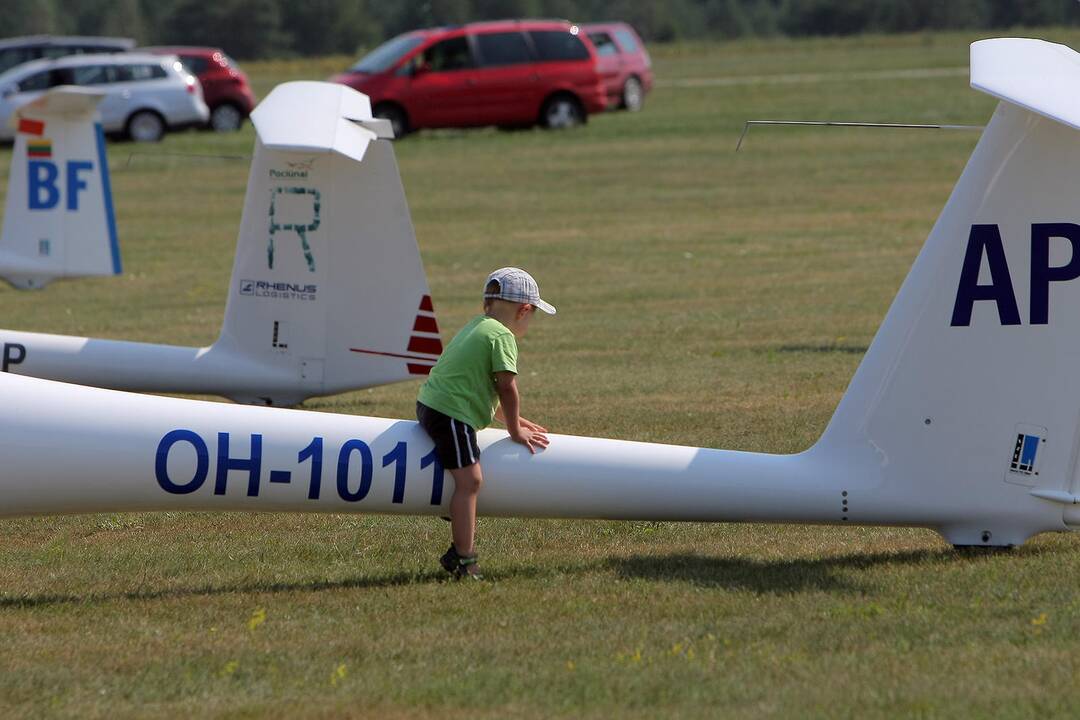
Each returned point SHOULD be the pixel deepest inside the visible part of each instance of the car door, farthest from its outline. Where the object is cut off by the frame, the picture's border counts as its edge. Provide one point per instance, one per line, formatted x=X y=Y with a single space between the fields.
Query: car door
x=147 y=85
x=508 y=89
x=103 y=77
x=440 y=84
x=609 y=61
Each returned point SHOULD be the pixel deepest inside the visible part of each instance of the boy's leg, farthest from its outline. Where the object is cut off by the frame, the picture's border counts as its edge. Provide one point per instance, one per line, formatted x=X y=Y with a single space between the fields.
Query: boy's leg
x=467 y=482
x=455 y=443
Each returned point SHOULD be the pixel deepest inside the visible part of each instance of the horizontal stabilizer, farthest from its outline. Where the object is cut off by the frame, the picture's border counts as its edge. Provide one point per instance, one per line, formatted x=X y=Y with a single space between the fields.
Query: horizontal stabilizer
x=1037 y=75
x=316 y=117
x=65 y=101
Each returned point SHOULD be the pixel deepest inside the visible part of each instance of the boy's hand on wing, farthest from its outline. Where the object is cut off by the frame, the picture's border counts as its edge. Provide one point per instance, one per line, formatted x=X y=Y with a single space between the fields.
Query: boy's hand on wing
x=530 y=425
x=530 y=438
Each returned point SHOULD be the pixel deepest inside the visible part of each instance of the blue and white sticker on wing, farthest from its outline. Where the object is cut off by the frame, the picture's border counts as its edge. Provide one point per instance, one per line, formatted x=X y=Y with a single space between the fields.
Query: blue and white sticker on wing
x=1027 y=448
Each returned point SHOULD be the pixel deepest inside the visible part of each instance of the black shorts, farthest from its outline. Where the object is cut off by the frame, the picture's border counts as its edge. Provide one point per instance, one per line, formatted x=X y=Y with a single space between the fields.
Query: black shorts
x=455 y=441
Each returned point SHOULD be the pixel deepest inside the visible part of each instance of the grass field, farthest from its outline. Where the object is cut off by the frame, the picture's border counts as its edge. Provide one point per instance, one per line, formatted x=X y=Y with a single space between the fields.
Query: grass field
x=705 y=298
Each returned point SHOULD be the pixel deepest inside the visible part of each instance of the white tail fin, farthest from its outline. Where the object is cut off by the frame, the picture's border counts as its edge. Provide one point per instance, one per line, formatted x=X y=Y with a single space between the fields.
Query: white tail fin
x=328 y=279
x=327 y=294
x=58 y=220
x=970 y=393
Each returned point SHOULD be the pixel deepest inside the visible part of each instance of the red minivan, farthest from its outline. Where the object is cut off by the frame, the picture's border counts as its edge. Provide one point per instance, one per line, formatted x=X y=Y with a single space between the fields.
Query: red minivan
x=510 y=73
x=624 y=64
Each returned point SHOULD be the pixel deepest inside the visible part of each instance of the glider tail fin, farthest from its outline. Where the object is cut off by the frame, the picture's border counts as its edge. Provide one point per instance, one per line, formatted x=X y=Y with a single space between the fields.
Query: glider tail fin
x=969 y=393
x=328 y=284
x=58 y=219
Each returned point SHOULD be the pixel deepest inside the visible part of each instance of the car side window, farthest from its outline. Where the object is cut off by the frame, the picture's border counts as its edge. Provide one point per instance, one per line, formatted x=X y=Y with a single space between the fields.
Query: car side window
x=502 y=49
x=452 y=54
x=605 y=46
x=558 y=45
x=627 y=40
x=91 y=75
x=138 y=73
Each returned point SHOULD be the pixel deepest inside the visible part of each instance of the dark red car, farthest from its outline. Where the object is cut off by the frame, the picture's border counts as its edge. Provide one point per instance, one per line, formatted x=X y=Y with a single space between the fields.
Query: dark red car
x=225 y=86
x=510 y=73
x=623 y=62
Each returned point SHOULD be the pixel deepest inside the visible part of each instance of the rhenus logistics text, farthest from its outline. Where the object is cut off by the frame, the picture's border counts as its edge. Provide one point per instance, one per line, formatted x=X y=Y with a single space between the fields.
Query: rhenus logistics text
x=282 y=290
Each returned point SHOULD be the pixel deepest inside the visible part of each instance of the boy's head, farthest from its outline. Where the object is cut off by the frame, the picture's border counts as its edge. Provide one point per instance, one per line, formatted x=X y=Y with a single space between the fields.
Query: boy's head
x=514 y=285
x=511 y=295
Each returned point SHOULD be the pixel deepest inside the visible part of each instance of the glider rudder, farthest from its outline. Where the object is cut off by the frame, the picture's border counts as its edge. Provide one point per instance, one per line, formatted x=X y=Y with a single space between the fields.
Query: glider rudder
x=968 y=399
x=328 y=277
x=58 y=218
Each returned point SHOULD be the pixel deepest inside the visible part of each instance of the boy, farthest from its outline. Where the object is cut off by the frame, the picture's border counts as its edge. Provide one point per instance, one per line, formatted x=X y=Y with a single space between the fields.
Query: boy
x=473 y=382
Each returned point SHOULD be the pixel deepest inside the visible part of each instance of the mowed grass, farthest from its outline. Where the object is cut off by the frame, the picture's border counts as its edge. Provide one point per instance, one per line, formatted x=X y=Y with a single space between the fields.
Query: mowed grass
x=705 y=298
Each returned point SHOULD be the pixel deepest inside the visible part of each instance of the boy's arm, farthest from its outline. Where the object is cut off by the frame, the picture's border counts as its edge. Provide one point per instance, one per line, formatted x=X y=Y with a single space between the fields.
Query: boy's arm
x=526 y=423
x=520 y=430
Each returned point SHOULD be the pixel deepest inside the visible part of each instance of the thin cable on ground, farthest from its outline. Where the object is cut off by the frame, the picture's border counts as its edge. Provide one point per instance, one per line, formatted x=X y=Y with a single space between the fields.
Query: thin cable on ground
x=185 y=155
x=837 y=123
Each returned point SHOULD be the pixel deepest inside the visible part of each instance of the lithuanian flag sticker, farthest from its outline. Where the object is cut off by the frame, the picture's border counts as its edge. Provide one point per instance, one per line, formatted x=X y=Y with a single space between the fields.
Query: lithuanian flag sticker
x=41 y=148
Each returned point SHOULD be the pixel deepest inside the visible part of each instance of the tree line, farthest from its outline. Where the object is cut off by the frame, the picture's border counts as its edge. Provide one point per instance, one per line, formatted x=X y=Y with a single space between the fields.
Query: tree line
x=286 y=28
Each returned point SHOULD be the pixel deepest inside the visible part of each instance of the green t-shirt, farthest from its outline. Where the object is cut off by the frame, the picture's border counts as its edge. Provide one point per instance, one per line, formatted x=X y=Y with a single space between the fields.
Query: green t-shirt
x=462 y=383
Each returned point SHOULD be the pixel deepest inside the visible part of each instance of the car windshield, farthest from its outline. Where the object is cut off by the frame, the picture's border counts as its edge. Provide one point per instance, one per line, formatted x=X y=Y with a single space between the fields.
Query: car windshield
x=195 y=64
x=386 y=55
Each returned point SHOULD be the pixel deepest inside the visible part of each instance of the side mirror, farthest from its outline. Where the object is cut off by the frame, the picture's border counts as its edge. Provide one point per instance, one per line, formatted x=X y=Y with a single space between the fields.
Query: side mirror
x=420 y=68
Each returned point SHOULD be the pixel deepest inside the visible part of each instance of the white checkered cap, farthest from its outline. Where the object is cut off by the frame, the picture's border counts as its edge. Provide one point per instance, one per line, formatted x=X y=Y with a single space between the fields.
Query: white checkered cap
x=516 y=285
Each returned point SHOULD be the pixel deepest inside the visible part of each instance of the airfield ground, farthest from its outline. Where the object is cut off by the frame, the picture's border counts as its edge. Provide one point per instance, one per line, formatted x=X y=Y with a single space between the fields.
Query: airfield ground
x=705 y=298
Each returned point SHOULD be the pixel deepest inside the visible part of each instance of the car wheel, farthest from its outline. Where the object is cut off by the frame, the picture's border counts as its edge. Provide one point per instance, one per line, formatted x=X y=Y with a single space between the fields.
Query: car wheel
x=226 y=118
x=562 y=111
x=633 y=95
x=145 y=126
x=398 y=120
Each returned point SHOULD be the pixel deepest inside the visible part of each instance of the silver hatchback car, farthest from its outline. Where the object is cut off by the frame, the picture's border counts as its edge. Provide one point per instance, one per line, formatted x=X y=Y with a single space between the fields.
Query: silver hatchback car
x=145 y=95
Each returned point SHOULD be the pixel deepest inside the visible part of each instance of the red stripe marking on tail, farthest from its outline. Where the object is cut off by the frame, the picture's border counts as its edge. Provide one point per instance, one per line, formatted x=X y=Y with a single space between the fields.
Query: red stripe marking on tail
x=428 y=346
x=415 y=369
x=31 y=127
x=425 y=304
x=425 y=324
